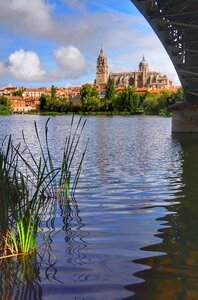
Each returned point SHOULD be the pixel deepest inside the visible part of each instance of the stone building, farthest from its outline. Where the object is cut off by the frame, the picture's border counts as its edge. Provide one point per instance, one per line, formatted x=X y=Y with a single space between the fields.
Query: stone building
x=102 y=74
x=142 y=78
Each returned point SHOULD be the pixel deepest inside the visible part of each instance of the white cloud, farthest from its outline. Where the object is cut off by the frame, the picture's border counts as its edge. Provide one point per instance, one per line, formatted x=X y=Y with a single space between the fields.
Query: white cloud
x=25 y=66
x=70 y=59
x=118 y=31
x=27 y=17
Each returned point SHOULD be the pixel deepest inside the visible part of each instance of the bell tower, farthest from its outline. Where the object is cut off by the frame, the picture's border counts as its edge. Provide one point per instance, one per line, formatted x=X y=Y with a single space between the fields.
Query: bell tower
x=143 y=69
x=102 y=70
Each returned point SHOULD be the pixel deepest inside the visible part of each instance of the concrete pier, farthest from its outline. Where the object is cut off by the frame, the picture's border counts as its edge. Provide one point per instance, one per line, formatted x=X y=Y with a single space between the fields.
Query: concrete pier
x=184 y=117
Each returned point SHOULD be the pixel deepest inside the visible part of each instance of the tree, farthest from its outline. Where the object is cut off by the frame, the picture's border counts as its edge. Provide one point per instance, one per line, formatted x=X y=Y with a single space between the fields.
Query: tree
x=53 y=93
x=110 y=94
x=156 y=104
x=19 y=92
x=5 y=101
x=43 y=102
x=179 y=95
x=88 y=90
x=88 y=94
x=127 y=101
x=91 y=103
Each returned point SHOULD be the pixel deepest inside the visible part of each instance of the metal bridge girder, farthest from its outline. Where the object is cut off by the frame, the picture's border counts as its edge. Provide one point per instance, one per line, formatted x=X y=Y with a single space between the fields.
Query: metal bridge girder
x=176 y=24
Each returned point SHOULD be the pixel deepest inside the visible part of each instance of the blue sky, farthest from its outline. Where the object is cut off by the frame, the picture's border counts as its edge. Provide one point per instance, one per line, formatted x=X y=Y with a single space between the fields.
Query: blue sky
x=58 y=41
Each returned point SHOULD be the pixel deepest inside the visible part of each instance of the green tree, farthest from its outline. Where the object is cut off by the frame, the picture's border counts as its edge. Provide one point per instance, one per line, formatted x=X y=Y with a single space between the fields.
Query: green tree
x=127 y=101
x=5 y=111
x=156 y=104
x=5 y=106
x=43 y=102
x=88 y=90
x=178 y=95
x=91 y=104
x=53 y=93
x=88 y=94
x=5 y=101
x=19 y=92
x=110 y=94
x=133 y=100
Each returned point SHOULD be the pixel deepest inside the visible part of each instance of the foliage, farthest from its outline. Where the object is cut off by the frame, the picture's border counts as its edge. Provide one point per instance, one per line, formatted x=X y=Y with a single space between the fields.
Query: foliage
x=52 y=103
x=53 y=93
x=127 y=100
x=24 y=197
x=88 y=95
x=18 y=92
x=22 y=239
x=178 y=95
x=92 y=104
x=43 y=102
x=60 y=105
x=88 y=90
x=110 y=93
x=5 y=111
x=156 y=104
x=5 y=101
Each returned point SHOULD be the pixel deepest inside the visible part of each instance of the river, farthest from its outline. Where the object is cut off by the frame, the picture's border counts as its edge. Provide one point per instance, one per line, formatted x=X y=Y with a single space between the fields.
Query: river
x=132 y=233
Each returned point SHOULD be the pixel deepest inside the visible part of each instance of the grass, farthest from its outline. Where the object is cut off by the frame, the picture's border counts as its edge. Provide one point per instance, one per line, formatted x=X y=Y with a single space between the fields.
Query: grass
x=25 y=196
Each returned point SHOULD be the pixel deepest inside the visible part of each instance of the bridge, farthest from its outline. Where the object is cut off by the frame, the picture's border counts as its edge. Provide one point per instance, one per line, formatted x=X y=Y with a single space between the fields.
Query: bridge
x=176 y=24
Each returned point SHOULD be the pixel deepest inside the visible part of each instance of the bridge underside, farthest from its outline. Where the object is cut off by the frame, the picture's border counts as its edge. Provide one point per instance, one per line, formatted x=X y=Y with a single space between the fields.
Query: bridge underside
x=176 y=24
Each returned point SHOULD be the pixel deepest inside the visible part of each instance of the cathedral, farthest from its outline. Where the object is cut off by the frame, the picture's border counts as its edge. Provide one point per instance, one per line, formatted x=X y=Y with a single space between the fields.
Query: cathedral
x=140 y=79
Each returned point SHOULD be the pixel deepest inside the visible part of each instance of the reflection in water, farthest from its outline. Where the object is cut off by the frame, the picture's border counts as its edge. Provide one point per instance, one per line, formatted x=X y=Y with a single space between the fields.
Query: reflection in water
x=20 y=279
x=137 y=191
x=174 y=275
x=74 y=237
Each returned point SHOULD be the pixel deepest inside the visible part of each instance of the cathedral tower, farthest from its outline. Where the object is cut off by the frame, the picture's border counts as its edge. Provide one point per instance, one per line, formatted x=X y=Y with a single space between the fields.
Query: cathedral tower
x=143 y=68
x=102 y=70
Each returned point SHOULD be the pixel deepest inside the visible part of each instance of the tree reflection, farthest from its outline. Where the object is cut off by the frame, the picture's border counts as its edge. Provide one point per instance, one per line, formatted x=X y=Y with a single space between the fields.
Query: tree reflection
x=174 y=275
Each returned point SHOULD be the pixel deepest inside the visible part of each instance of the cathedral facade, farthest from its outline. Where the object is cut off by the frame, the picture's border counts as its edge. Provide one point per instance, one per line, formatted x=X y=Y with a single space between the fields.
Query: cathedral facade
x=140 y=79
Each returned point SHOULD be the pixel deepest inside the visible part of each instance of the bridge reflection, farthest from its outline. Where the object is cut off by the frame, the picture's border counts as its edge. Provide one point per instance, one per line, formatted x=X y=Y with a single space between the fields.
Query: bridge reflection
x=174 y=275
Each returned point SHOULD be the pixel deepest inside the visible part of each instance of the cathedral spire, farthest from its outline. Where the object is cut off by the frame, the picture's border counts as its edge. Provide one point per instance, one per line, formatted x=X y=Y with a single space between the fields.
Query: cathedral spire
x=101 y=50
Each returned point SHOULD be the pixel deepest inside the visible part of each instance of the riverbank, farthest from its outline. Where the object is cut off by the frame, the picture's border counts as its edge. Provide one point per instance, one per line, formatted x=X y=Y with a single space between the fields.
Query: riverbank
x=97 y=113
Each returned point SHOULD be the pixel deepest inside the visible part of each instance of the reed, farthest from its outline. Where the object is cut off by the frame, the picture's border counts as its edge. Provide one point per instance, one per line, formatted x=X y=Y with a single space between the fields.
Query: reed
x=28 y=185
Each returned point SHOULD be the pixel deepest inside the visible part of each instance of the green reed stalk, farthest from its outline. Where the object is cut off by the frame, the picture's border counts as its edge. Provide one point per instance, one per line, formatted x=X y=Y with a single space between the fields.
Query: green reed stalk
x=25 y=197
x=69 y=153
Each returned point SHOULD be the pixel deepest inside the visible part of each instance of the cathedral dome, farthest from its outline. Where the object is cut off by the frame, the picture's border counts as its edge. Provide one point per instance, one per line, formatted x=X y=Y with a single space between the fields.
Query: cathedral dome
x=143 y=64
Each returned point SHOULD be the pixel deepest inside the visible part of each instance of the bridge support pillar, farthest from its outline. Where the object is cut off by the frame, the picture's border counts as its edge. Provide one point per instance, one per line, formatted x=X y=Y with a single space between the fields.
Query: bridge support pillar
x=185 y=117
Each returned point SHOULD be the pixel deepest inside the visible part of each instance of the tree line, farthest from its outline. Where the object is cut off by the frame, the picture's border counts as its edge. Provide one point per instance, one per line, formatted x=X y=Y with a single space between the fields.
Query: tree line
x=125 y=101
x=115 y=102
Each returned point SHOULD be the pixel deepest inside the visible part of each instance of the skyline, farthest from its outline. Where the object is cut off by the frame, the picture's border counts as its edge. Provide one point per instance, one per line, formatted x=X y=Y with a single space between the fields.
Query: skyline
x=58 y=42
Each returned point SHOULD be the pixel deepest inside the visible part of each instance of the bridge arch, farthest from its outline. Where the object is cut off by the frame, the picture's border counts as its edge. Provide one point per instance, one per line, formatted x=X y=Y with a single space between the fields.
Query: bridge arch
x=176 y=24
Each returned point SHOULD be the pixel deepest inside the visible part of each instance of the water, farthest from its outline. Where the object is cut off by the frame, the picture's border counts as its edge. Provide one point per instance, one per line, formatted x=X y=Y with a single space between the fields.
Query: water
x=132 y=233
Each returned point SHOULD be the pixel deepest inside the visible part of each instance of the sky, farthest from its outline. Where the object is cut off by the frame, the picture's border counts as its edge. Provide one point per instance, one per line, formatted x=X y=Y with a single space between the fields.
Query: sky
x=45 y=42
